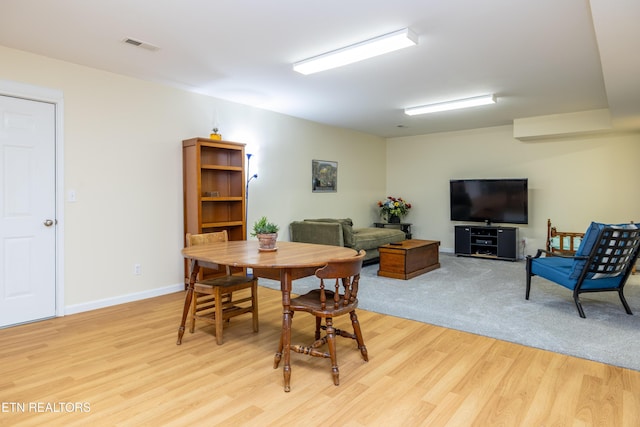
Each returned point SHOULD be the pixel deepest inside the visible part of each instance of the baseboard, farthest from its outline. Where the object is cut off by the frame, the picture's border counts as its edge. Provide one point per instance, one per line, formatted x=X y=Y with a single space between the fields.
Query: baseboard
x=122 y=299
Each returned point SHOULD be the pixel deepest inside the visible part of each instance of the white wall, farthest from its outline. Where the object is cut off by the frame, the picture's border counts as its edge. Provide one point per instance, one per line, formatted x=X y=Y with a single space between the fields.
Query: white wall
x=573 y=181
x=123 y=157
x=122 y=140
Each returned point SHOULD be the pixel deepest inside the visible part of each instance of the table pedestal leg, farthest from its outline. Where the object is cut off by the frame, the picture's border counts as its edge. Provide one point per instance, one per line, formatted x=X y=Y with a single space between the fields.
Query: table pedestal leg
x=187 y=299
x=285 y=338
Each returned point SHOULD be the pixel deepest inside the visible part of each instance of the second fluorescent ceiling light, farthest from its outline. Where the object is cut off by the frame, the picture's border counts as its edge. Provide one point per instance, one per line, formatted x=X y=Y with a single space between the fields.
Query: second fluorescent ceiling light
x=451 y=105
x=358 y=52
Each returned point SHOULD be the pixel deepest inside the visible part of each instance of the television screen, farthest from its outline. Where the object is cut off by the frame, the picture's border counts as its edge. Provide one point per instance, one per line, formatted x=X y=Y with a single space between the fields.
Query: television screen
x=490 y=200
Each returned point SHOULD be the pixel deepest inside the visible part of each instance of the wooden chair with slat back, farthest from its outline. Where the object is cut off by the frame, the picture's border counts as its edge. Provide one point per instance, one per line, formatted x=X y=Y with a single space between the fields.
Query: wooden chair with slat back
x=213 y=298
x=337 y=296
x=562 y=242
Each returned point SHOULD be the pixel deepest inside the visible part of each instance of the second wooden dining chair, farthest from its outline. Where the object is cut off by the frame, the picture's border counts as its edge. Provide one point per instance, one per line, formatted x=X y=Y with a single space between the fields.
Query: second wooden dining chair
x=213 y=298
x=337 y=296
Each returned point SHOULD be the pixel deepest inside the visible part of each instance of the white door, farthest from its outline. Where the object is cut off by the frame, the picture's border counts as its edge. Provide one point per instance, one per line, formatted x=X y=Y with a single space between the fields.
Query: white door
x=27 y=211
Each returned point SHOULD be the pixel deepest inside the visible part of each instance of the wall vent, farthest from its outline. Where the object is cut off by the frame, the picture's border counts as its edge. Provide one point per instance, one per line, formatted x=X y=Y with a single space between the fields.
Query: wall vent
x=138 y=43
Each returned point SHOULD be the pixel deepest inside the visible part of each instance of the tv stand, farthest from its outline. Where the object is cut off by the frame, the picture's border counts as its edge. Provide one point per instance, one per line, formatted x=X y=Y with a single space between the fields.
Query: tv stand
x=486 y=242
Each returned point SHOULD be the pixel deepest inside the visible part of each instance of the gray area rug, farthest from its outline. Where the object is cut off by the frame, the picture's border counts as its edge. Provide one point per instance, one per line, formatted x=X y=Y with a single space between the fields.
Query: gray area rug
x=486 y=297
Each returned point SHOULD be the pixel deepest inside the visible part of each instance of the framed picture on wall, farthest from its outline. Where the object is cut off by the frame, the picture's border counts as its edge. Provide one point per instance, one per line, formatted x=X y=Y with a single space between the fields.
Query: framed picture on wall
x=324 y=176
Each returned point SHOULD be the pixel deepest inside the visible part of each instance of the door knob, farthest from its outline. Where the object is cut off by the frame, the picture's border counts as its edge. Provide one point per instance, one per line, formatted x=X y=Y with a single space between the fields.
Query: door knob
x=49 y=222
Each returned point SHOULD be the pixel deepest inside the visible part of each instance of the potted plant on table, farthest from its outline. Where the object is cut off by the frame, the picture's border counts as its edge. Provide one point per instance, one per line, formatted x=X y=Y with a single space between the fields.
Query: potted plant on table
x=267 y=234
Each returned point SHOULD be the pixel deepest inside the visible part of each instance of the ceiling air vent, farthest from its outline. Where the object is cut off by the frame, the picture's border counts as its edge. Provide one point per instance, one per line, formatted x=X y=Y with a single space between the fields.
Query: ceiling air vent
x=138 y=43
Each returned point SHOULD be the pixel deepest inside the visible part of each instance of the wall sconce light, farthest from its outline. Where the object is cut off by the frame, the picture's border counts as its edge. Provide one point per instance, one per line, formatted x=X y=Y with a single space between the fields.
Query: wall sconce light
x=451 y=105
x=358 y=52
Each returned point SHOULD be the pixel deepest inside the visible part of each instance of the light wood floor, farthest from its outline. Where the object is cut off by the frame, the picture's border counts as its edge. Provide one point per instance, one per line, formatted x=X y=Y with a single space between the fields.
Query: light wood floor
x=120 y=366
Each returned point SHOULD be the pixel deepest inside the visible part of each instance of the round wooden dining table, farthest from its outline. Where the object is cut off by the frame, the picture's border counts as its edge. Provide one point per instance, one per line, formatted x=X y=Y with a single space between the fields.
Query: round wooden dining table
x=291 y=261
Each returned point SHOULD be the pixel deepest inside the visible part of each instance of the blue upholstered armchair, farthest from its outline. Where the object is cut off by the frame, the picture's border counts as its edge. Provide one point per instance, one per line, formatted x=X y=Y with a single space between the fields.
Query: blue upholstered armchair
x=602 y=263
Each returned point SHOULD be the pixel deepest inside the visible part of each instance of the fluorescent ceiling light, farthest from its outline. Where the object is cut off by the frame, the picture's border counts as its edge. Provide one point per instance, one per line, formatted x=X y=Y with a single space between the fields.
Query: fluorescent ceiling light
x=358 y=52
x=451 y=105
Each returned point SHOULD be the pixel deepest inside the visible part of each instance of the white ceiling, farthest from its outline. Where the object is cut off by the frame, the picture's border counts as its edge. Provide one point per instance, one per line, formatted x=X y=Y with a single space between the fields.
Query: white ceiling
x=539 y=57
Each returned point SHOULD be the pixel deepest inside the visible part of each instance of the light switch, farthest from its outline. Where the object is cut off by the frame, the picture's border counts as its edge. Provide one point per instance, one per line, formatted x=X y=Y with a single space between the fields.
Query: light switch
x=71 y=196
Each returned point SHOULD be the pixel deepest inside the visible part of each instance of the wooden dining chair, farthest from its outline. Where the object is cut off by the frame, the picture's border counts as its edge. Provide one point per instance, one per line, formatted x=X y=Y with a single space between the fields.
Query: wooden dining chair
x=337 y=296
x=213 y=298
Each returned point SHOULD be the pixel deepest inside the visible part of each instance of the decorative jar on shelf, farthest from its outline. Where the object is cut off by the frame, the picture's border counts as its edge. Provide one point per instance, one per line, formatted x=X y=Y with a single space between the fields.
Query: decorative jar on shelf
x=215 y=135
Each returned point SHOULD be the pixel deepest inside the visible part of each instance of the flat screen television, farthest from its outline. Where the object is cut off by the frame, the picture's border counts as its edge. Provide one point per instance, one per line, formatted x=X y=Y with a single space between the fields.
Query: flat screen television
x=490 y=200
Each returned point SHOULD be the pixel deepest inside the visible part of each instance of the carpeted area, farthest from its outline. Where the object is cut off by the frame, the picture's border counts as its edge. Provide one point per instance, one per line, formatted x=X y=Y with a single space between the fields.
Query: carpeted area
x=486 y=297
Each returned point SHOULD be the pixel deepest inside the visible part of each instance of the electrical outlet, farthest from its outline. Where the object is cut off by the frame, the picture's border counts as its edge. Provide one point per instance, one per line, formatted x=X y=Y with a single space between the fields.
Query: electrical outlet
x=137 y=269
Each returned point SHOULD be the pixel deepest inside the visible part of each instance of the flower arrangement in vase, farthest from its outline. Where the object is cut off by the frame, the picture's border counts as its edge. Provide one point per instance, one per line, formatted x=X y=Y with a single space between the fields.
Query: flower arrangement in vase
x=394 y=208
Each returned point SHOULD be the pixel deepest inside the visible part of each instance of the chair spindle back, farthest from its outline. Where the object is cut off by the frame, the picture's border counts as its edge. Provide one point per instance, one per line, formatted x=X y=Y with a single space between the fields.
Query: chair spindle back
x=345 y=272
